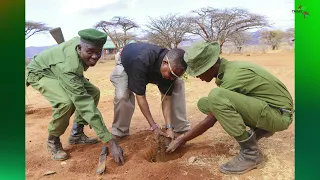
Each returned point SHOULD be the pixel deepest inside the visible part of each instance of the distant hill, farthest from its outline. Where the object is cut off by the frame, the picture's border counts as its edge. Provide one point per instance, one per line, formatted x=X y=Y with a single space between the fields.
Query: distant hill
x=254 y=40
x=255 y=36
x=31 y=51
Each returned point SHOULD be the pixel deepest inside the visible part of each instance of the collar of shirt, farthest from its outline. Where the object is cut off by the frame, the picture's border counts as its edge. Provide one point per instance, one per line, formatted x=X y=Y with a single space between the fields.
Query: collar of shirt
x=221 y=71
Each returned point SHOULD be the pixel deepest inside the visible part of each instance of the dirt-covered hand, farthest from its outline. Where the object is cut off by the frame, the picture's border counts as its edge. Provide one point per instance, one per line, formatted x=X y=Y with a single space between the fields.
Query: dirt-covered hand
x=158 y=133
x=175 y=144
x=116 y=151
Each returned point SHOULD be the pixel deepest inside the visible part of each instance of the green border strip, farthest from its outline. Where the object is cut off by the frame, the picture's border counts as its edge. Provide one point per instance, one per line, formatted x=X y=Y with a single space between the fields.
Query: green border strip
x=12 y=106
x=307 y=89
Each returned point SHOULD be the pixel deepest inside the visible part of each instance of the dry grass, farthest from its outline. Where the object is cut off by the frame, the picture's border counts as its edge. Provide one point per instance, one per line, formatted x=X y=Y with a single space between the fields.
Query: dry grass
x=257 y=49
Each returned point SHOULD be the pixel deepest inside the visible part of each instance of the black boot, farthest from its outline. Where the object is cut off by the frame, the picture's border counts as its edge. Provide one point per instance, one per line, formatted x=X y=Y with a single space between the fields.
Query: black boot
x=78 y=137
x=250 y=157
x=260 y=133
x=55 y=148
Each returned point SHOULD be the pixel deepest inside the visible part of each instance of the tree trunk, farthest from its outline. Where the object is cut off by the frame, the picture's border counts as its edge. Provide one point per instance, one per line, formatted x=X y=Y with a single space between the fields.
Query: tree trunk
x=125 y=36
x=221 y=44
x=111 y=38
x=221 y=48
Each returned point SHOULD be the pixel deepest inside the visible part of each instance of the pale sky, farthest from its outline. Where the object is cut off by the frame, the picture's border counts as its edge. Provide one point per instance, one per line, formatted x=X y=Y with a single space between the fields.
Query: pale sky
x=74 y=15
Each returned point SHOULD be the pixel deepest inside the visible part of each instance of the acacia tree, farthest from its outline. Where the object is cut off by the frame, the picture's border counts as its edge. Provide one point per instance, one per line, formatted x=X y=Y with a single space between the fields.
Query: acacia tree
x=118 y=30
x=219 y=25
x=239 y=39
x=33 y=28
x=272 y=38
x=157 y=39
x=289 y=36
x=167 y=30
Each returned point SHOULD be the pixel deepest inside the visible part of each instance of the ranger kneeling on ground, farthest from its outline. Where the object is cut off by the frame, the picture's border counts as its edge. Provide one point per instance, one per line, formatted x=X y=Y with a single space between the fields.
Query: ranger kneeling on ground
x=247 y=95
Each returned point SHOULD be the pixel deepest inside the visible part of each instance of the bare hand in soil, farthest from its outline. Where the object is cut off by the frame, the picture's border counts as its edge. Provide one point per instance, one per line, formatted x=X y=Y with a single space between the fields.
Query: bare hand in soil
x=175 y=144
x=158 y=133
x=116 y=151
x=170 y=133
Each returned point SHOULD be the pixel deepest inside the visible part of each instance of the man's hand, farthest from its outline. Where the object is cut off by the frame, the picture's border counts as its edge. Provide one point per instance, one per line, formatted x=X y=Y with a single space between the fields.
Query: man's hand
x=179 y=141
x=170 y=133
x=158 y=133
x=116 y=151
x=200 y=128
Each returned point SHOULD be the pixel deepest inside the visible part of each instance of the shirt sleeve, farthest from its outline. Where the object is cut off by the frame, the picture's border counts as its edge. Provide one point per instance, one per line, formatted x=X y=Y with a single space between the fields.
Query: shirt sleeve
x=74 y=86
x=137 y=78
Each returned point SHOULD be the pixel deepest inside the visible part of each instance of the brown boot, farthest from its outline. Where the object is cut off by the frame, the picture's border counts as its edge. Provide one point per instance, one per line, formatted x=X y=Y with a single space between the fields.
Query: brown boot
x=55 y=148
x=260 y=133
x=250 y=157
x=78 y=137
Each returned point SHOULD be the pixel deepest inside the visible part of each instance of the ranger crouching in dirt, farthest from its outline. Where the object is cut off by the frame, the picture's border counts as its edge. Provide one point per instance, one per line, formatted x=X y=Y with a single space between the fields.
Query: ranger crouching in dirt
x=247 y=95
x=138 y=65
x=57 y=73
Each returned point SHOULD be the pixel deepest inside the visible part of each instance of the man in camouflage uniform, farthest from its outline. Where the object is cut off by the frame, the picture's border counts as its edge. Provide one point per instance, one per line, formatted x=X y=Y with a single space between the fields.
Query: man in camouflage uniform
x=247 y=95
x=57 y=73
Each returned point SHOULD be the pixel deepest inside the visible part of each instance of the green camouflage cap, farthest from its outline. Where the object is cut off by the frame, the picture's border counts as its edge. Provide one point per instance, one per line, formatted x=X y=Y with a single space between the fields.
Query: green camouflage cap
x=201 y=56
x=93 y=37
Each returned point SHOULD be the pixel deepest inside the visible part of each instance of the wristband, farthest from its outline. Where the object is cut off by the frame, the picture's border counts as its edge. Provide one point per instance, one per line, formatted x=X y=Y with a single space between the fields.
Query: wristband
x=153 y=127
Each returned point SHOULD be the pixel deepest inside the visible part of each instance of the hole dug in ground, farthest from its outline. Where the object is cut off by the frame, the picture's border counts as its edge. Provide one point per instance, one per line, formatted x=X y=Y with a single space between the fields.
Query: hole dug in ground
x=156 y=151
